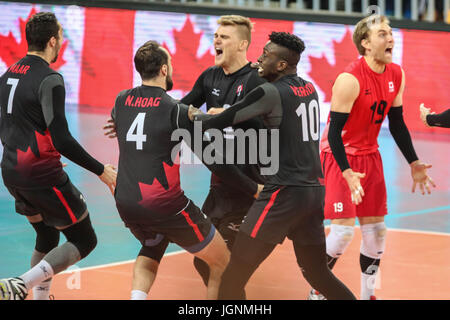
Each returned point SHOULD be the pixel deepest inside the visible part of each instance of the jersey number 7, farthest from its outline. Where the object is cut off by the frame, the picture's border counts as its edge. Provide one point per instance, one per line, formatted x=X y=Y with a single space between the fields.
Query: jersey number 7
x=13 y=83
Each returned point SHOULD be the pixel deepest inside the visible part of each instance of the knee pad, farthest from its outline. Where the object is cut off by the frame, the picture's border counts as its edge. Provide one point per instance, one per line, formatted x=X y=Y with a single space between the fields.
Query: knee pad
x=47 y=237
x=338 y=239
x=82 y=236
x=373 y=240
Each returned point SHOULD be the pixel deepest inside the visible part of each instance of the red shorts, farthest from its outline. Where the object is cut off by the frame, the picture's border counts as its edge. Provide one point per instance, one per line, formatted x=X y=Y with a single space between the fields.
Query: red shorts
x=338 y=201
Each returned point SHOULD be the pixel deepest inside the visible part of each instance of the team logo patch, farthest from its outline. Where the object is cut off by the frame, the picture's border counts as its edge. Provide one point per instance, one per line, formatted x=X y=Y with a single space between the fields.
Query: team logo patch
x=391 y=86
x=239 y=90
x=215 y=92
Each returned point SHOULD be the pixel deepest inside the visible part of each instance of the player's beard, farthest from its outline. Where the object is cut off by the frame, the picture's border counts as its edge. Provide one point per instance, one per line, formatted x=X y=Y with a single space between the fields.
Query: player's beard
x=169 y=83
x=57 y=47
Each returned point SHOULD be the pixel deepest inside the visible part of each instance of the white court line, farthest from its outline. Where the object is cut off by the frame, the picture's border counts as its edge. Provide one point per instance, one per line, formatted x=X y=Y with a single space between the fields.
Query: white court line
x=116 y=263
x=184 y=251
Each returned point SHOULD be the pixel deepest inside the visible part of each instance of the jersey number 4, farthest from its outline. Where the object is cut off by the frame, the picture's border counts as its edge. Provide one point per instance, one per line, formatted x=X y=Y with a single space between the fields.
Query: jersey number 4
x=138 y=125
x=13 y=83
x=312 y=113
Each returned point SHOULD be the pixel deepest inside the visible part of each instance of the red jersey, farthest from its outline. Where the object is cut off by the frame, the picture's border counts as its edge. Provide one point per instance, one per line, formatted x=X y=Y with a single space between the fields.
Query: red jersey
x=377 y=91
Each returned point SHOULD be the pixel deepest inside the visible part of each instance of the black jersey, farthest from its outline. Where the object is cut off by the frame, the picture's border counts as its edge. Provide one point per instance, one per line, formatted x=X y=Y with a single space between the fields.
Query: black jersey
x=217 y=89
x=33 y=127
x=290 y=105
x=148 y=178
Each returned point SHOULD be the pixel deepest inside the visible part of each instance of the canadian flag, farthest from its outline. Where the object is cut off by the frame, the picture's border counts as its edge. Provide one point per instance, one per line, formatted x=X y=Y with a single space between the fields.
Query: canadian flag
x=97 y=58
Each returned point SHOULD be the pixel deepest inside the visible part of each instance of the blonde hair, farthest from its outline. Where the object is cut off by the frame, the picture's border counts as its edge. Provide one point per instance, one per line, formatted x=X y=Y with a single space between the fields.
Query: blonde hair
x=362 y=30
x=244 y=25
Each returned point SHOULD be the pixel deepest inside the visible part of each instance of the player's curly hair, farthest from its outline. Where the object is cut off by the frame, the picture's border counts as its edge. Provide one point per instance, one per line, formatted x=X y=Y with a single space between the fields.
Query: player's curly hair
x=288 y=40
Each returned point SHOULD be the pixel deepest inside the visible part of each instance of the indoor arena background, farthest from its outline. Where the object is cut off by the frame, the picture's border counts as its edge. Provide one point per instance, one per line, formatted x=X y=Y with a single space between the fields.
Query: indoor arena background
x=96 y=61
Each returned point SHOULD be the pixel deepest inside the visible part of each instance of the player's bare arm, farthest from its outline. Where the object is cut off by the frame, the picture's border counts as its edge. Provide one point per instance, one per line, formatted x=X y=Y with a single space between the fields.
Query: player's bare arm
x=345 y=91
x=402 y=137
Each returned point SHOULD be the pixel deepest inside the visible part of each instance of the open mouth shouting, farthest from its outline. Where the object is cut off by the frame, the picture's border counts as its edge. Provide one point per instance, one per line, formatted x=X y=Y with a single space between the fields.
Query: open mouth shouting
x=219 y=52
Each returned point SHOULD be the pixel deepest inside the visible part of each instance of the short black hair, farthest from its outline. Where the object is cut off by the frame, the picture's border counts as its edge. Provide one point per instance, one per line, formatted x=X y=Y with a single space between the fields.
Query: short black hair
x=149 y=59
x=39 y=29
x=290 y=42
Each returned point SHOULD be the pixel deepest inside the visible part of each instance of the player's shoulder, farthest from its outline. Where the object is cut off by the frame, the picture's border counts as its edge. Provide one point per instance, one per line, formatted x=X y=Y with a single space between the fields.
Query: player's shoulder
x=347 y=78
x=346 y=85
x=354 y=66
x=124 y=93
x=169 y=99
x=395 y=68
x=209 y=74
x=212 y=71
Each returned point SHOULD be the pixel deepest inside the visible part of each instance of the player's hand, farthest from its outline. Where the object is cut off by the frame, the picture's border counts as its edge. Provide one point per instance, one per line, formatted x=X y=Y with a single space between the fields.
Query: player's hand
x=260 y=188
x=354 y=183
x=216 y=110
x=419 y=176
x=109 y=177
x=193 y=111
x=110 y=129
x=423 y=113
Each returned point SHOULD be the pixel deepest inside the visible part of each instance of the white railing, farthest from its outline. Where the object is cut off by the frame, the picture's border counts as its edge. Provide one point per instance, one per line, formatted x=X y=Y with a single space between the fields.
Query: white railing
x=426 y=10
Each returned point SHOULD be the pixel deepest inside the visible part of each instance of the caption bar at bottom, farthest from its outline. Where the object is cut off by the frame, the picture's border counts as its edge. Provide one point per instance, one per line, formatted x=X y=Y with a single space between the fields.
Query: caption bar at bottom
x=226 y=309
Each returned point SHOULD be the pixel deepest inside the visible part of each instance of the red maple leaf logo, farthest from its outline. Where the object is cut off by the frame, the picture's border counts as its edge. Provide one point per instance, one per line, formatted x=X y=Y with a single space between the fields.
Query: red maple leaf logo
x=26 y=159
x=12 y=51
x=185 y=63
x=156 y=191
x=323 y=73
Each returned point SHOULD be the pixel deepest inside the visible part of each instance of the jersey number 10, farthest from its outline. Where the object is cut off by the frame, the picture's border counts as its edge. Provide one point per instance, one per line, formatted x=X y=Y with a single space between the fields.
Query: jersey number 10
x=312 y=113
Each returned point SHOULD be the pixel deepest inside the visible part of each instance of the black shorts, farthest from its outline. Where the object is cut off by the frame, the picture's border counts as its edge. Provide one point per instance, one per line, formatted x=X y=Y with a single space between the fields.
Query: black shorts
x=287 y=211
x=59 y=206
x=229 y=225
x=219 y=204
x=189 y=228
x=226 y=213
